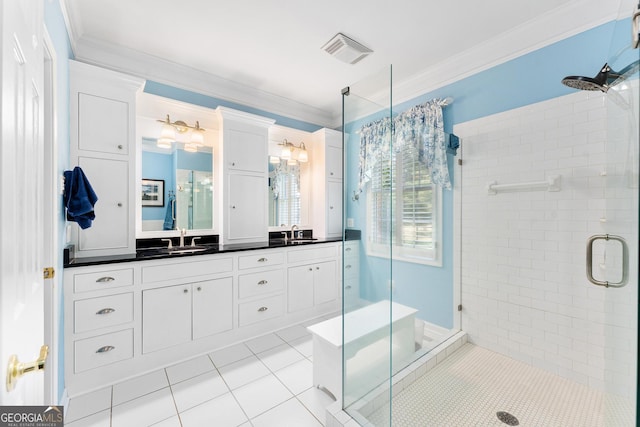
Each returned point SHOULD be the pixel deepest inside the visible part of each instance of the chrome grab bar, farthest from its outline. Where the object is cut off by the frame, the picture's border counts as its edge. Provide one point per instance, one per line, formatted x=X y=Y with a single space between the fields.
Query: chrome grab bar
x=625 y=261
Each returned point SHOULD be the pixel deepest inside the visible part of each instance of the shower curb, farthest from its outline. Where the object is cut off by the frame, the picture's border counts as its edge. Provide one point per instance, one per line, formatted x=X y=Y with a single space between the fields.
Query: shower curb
x=379 y=397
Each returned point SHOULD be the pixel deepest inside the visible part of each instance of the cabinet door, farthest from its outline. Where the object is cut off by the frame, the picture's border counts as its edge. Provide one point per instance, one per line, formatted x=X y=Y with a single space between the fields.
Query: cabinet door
x=245 y=150
x=212 y=307
x=334 y=162
x=246 y=217
x=325 y=288
x=110 y=181
x=166 y=317
x=103 y=124
x=334 y=208
x=300 y=288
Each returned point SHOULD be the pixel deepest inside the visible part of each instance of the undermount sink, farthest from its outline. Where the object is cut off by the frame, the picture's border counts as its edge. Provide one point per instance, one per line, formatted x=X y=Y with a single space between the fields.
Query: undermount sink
x=186 y=249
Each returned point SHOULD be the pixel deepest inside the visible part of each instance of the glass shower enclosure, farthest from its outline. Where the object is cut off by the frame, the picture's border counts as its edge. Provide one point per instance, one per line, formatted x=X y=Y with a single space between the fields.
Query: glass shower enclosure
x=573 y=307
x=390 y=315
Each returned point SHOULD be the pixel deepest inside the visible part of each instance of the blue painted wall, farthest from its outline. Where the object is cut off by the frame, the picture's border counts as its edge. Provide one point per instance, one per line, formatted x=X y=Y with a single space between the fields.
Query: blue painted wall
x=183 y=95
x=195 y=161
x=162 y=166
x=55 y=26
x=158 y=166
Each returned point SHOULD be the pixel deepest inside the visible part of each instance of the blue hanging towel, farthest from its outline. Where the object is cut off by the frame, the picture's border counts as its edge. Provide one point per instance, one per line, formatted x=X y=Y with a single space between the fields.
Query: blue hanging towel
x=79 y=198
x=169 y=222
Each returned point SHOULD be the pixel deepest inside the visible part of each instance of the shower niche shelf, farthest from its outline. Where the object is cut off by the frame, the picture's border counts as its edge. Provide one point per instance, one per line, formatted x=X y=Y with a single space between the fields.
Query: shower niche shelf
x=552 y=183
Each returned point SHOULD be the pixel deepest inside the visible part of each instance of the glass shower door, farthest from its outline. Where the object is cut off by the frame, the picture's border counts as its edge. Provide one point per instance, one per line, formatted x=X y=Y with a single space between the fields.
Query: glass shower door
x=614 y=258
x=367 y=297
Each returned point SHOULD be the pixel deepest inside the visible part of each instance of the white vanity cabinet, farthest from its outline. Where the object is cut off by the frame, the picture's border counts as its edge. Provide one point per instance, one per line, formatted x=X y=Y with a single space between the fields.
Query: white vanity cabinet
x=351 y=277
x=102 y=132
x=243 y=176
x=126 y=318
x=99 y=318
x=177 y=314
x=260 y=286
x=312 y=278
x=327 y=183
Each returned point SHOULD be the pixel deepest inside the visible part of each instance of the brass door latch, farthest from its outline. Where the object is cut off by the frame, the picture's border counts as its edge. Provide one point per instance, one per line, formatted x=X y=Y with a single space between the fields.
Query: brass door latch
x=16 y=369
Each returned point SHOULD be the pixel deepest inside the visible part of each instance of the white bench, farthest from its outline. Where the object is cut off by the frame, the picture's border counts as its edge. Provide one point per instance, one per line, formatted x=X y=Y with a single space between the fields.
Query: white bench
x=363 y=329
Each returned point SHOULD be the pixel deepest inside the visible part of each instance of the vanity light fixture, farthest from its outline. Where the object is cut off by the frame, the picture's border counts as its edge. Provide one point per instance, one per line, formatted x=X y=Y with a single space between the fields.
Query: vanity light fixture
x=289 y=148
x=171 y=129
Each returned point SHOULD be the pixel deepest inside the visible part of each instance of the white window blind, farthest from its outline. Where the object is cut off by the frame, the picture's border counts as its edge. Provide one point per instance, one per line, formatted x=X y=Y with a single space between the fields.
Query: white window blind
x=288 y=200
x=402 y=206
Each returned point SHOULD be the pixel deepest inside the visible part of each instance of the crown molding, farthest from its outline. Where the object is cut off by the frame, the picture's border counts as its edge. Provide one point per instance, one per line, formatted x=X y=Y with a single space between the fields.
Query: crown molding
x=166 y=72
x=72 y=31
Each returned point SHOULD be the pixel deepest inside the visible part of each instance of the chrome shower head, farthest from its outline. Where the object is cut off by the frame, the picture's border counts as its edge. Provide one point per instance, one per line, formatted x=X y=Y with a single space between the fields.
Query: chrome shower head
x=599 y=82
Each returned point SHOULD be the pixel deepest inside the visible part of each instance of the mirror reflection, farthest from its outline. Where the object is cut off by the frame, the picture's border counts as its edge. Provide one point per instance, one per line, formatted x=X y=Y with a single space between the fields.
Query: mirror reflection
x=284 y=192
x=188 y=187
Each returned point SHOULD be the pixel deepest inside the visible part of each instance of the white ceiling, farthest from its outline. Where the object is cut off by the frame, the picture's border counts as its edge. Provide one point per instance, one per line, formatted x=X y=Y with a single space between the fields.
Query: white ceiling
x=267 y=54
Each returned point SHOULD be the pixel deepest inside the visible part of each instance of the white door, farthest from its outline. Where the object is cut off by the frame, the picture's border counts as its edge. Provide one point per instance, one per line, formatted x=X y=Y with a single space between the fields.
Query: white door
x=21 y=161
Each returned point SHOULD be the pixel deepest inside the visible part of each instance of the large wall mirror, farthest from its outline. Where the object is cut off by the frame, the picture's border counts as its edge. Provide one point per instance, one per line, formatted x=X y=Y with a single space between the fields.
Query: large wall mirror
x=289 y=179
x=176 y=172
x=178 y=185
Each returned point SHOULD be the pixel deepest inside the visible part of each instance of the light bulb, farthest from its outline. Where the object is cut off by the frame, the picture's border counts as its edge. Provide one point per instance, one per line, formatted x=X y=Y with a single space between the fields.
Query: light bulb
x=303 y=157
x=190 y=148
x=164 y=143
x=274 y=160
x=197 y=137
x=285 y=153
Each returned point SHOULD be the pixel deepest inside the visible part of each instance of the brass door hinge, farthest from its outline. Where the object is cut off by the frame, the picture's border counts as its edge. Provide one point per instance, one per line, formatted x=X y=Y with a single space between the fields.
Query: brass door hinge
x=48 y=272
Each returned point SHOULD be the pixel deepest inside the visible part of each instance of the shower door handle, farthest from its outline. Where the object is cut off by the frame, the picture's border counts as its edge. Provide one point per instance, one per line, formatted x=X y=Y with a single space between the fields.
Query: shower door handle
x=625 y=261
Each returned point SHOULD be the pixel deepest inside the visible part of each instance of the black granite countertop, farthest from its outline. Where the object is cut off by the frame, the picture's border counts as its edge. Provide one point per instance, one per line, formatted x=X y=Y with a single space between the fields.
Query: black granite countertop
x=161 y=252
x=148 y=249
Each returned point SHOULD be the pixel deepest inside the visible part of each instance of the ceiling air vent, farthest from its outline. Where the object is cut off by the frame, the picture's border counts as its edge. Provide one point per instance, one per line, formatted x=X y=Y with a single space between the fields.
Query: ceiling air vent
x=346 y=49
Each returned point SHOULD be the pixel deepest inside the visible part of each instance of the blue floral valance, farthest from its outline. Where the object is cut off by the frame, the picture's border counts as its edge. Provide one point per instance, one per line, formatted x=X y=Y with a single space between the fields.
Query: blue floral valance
x=422 y=126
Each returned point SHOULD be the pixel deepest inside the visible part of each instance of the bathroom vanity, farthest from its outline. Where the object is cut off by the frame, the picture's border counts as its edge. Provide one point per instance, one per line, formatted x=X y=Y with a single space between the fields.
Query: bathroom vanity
x=128 y=312
x=127 y=317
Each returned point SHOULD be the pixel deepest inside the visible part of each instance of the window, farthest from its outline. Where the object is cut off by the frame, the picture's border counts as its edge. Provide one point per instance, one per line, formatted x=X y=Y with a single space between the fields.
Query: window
x=403 y=209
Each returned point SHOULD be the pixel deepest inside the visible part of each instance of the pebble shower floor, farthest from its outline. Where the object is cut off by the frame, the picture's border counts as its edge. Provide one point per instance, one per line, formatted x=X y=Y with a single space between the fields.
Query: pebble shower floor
x=473 y=384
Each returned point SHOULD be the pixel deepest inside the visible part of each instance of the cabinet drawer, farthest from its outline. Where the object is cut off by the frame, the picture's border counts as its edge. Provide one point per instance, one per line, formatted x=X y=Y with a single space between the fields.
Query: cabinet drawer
x=312 y=254
x=351 y=266
x=102 y=350
x=107 y=279
x=263 y=259
x=257 y=311
x=183 y=270
x=95 y=313
x=260 y=283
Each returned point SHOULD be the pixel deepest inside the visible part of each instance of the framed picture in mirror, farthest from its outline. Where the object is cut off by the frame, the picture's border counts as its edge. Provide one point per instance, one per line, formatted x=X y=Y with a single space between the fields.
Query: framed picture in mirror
x=153 y=192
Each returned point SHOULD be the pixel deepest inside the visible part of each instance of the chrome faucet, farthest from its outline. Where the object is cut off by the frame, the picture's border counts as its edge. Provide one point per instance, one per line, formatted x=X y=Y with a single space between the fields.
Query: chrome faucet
x=293 y=228
x=183 y=232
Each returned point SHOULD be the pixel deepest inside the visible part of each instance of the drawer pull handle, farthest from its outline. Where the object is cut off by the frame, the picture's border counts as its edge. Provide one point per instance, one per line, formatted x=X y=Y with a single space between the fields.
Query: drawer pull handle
x=105 y=311
x=105 y=349
x=347 y=266
x=262 y=282
x=317 y=268
x=348 y=287
x=120 y=147
x=199 y=288
x=262 y=260
x=263 y=309
x=105 y=279
x=310 y=269
x=186 y=291
x=347 y=249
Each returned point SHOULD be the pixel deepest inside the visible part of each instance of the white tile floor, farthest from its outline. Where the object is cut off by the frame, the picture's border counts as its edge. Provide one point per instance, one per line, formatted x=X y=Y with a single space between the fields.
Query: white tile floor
x=262 y=382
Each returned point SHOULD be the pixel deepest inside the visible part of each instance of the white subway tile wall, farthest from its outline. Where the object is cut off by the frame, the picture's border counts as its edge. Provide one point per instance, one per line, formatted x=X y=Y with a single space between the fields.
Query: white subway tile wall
x=524 y=290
